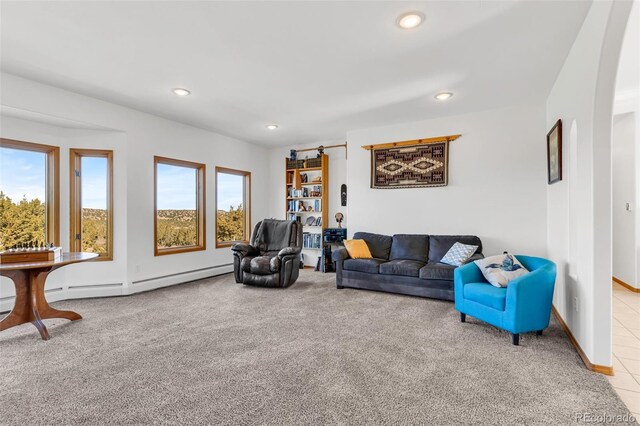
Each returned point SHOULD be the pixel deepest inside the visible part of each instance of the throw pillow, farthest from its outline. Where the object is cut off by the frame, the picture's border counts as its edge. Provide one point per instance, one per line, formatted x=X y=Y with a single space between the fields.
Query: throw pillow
x=501 y=270
x=458 y=254
x=357 y=249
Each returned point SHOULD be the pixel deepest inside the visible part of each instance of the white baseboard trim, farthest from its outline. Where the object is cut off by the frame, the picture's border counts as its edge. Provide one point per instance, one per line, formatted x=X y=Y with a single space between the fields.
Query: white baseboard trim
x=119 y=289
x=179 y=278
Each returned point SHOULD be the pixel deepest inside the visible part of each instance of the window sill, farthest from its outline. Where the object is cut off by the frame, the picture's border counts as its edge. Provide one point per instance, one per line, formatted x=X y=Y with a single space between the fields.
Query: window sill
x=177 y=250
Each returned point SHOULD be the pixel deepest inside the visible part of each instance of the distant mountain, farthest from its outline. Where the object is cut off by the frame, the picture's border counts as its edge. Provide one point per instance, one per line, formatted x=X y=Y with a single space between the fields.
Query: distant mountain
x=177 y=215
x=94 y=214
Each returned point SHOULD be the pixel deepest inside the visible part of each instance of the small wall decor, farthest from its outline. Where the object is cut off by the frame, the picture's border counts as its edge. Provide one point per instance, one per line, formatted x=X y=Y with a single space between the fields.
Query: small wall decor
x=343 y=195
x=339 y=218
x=554 y=153
x=410 y=164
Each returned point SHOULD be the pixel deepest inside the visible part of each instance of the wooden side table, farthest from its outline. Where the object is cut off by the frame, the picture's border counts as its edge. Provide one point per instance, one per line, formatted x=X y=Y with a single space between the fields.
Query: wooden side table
x=30 y=304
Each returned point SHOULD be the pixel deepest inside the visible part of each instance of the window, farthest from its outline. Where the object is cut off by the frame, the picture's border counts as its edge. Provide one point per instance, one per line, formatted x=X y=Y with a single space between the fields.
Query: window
x=91 y=196
x=233 y=206
x=179 y=206
x=29 y=194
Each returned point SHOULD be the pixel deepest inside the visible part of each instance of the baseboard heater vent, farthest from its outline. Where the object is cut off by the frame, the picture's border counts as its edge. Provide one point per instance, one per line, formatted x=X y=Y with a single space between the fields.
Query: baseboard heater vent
x=179 y=278
x=193 y=271
x=114 y=285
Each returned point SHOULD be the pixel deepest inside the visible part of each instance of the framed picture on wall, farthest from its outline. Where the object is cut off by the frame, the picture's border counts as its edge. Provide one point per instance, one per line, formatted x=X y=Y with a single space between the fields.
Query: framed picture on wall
x=554 y=153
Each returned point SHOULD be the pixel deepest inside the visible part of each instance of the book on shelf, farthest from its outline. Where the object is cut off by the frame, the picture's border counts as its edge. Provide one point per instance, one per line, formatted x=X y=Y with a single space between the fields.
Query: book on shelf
x=315 y=191
x=311 y=241
x=304 y=206
x=294 y=217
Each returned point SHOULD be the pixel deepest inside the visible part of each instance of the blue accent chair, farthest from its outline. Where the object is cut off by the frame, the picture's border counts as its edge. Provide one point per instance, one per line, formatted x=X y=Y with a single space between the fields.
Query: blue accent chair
x=523 y=306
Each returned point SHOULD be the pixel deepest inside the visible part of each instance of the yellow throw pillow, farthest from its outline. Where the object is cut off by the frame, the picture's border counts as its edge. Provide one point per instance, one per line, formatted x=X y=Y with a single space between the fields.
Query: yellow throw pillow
x=357 y=249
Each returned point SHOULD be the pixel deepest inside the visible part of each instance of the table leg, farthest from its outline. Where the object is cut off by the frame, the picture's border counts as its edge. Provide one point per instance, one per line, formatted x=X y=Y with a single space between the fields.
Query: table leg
x=30 y=304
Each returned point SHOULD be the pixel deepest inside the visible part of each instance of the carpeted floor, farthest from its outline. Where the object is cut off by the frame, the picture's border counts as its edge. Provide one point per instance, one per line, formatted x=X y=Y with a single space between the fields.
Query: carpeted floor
x=216 y=352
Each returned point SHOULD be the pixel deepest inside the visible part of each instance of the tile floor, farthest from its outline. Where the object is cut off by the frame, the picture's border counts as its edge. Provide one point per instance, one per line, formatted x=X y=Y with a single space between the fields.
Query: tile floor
x=626 y=347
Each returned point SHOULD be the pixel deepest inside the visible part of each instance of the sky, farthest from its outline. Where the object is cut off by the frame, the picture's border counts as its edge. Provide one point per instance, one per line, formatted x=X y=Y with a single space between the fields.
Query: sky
x=230 y=191
x=23 y=173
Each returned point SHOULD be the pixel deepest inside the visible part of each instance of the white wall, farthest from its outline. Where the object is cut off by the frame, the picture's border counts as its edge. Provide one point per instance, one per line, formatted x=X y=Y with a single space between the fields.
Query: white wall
x=583 y=93
x=135 y=138
x=497 y=179
x=623 y=192
x=337 y=176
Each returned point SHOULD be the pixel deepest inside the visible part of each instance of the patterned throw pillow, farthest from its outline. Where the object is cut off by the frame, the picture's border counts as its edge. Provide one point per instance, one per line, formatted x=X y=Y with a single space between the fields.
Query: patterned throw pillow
x=458 y=254
x=501 y=270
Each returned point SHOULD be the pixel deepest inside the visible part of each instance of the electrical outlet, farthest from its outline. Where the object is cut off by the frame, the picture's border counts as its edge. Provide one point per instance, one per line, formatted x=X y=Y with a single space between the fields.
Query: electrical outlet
x=575 y=304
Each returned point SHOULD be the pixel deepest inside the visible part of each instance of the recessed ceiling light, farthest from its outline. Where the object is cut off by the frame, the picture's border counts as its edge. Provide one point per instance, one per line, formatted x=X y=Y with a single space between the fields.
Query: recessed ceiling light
x=181 y=92
x=410 y=20
x=443 y=96
x=271 y=126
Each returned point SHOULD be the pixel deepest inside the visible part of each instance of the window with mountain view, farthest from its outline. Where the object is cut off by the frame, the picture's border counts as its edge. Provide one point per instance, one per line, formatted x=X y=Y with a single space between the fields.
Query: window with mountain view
x=233 y=197
x=180 y=206
x=91 y=202
x=28 y=194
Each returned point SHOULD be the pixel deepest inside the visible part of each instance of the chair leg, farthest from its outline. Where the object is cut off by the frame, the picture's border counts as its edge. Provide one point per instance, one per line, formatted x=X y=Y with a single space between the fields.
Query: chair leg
x=515 y=339
x=463 y=317
x=539 y=333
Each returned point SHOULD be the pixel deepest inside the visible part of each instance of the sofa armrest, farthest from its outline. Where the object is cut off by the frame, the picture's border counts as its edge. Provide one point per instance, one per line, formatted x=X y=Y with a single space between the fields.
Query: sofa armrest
x=245 y=249
x=340 y=255
x=289 y=251
x=476 y=256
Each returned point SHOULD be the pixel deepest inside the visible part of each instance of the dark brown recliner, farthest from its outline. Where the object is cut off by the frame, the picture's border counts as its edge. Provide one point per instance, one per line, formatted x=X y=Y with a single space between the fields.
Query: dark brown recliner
x=272 y=259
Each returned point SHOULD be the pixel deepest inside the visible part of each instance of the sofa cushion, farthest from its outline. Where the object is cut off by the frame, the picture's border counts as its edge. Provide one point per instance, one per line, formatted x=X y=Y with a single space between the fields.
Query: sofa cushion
x=408 y=268
x=410 y=247
x=370 y=266
x=439 y=245
x=437 y=271
x=486 y=294
x=379 y=245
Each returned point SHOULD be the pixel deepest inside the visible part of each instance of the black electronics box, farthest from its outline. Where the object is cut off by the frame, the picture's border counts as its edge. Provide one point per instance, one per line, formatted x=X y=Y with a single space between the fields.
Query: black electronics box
x=334 y=235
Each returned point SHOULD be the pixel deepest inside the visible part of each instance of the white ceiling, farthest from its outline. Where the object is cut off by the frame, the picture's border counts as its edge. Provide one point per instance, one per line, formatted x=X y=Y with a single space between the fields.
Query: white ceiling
x=317 y=69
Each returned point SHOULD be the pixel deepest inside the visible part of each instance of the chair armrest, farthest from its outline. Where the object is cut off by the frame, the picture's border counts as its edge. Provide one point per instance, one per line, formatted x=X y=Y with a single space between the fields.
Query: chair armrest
x=245 y=249
x=288 y=251
x=469 y=273
x=339 y=255
x=530 y=296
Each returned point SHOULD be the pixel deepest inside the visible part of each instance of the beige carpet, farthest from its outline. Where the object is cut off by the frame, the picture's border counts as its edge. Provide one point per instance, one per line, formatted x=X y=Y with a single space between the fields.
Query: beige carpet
x=216 y=352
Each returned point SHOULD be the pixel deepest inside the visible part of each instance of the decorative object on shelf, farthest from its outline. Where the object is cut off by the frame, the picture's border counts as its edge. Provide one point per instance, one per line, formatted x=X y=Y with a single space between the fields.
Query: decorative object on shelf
x=311 y=220
x=317 y=179
x=304 y=178
x=554 y=153
x=343 y=195
x=293 y=155
x=320 y=151
x=339 y=218
x=420 y=163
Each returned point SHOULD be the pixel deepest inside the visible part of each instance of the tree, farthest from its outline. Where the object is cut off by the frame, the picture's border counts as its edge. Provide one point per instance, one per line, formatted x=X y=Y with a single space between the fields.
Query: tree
x=22 y=223
x=230 y=224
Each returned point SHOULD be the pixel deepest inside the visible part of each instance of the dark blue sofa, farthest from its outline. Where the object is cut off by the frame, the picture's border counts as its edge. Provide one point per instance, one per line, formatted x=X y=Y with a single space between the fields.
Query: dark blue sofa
x=405 y=263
